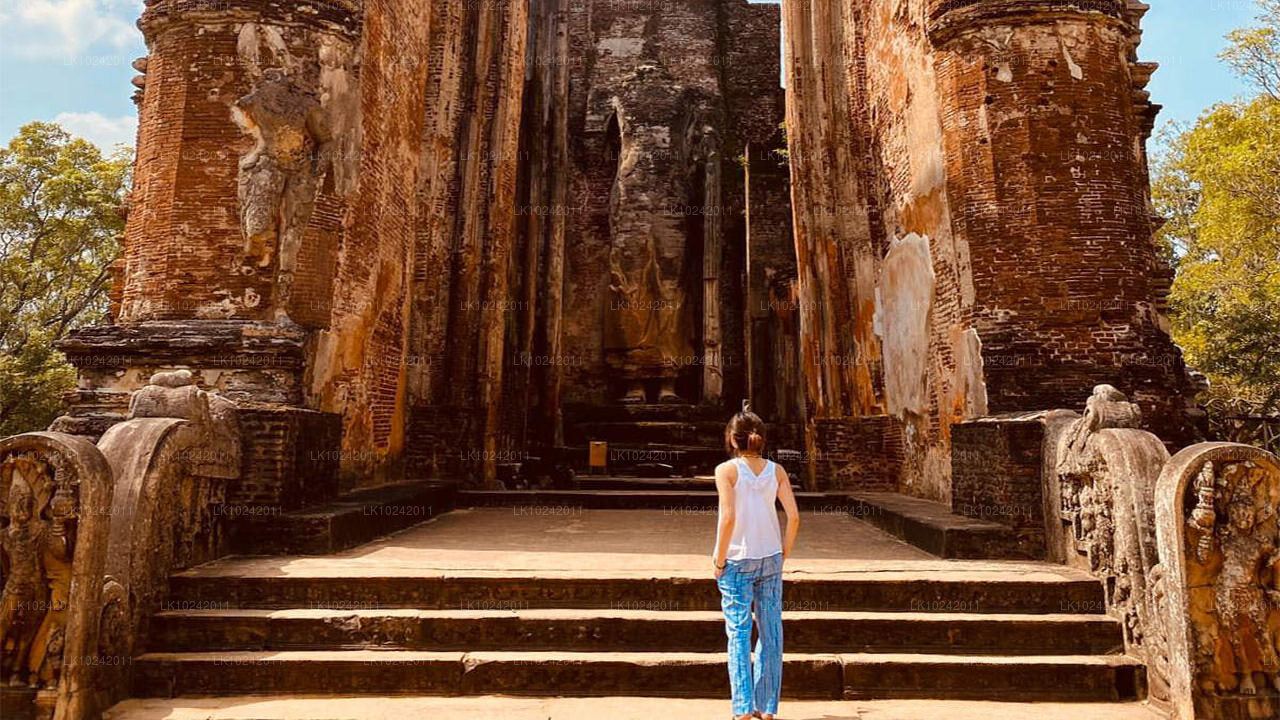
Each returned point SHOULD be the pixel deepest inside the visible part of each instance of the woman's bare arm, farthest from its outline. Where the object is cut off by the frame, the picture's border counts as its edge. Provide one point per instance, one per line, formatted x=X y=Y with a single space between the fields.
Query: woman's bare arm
x=725 y=476
x=788 y=499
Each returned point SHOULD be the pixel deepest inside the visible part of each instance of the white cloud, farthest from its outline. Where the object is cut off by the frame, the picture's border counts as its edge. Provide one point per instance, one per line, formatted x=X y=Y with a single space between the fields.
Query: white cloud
x=69 y=30
x=102 y=131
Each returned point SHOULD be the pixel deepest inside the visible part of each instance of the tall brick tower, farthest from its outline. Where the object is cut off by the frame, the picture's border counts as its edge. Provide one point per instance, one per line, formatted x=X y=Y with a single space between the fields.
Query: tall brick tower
x=1045 y=124
x=201 y=247
x=300 y=167
x=245 y=155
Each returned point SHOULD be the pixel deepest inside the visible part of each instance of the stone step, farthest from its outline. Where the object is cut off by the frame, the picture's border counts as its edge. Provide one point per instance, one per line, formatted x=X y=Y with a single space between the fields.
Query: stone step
x=814 y=676
x=235 y=584
x=669 y=499
x=932 y=527
x=635 y=459
x=486 y=707
x=701 y=483
x=636 y=630
x=344 y=523
x=705 y=434
x=673 y=499
x=579 y=414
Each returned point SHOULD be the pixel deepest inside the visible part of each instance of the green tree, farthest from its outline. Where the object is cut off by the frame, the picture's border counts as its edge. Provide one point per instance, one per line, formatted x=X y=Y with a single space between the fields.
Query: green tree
x=59 y=220
x=1218 y=183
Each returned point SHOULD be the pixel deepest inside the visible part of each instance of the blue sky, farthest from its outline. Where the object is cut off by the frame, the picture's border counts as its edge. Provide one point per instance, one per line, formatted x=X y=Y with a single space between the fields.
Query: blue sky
x=69 y=60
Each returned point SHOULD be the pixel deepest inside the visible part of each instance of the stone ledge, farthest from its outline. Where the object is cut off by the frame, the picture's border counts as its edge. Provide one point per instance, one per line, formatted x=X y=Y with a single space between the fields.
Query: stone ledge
x=213 y=343
x=339 y=707
x=932 y=527
x=344 y=523
x=603 y=630
x=814 y=676
x=949 y=18
x=343 y=15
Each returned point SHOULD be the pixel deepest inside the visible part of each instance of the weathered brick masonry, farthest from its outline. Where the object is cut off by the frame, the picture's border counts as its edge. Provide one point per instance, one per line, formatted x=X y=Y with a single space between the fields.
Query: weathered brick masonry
x=977 y=168
x=412 y=218
x=186 y=254
x=306 y=169
x=1047 y=175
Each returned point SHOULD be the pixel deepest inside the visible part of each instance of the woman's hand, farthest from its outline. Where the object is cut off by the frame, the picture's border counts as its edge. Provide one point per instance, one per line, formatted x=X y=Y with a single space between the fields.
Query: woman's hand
x=720 y=566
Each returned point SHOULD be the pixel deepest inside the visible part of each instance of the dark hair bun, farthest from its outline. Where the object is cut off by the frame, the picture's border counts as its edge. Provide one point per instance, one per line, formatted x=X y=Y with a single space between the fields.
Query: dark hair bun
x=744 y=433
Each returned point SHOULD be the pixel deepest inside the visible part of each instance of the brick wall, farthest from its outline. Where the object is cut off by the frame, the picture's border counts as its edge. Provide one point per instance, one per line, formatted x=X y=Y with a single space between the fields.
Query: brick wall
x=291 y=458
x=417 y=204
x=184 y=249
x=857 y=453
x=996 y=476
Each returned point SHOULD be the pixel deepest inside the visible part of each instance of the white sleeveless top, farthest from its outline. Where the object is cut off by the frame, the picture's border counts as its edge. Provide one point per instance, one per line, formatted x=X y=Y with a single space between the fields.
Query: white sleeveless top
x=756 y=532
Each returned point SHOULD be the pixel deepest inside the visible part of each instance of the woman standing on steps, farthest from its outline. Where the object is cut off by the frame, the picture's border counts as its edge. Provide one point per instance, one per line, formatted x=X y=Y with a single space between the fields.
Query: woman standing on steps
x=748 y=560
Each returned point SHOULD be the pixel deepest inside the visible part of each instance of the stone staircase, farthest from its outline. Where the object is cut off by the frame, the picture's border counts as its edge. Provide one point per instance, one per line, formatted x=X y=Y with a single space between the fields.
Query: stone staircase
x=240 y=628
x=686 y=438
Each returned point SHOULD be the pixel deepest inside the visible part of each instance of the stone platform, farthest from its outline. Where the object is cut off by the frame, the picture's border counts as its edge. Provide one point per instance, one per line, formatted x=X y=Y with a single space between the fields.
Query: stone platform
x=544 y=601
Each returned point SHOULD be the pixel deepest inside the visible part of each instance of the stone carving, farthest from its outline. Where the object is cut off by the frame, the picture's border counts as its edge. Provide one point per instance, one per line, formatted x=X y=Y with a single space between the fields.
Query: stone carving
x=279 y=177
x=1107 y=470
x=174 y=394
x=653 y=277
x=1219 y=536
x=289 y=114
x=55 y=554
x=55 y=493
x=38 y=548
x=1246 y=589
x=26 y=597
x=645 y=335
x=173 y=456
x=1189 y=551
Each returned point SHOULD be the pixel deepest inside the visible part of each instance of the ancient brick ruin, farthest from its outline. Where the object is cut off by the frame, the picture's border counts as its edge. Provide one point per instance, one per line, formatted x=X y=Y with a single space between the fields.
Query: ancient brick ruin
x=391 y=254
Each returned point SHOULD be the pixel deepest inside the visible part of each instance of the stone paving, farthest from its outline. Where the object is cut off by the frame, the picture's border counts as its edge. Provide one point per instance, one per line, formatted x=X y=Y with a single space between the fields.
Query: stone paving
x=617 y=708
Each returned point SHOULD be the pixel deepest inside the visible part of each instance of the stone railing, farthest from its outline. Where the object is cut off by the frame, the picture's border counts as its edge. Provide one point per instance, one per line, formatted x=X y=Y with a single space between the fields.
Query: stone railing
x=91 y=534
x=1188 y=549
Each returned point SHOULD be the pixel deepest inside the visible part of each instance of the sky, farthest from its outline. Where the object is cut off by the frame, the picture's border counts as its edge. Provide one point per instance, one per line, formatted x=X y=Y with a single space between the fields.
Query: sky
x=69 y=61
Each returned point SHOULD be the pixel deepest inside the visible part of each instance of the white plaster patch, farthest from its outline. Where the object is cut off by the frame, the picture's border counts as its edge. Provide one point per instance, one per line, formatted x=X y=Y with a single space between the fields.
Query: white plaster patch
x=1076 y=72
x=924 y=137
x=621 y=46
x=904 y=300
x=1004 y=72
x=247 y=43
x=970 y=375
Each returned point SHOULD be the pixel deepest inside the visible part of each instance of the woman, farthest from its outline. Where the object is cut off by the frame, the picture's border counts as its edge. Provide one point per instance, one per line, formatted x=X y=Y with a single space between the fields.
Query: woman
x=748 y=564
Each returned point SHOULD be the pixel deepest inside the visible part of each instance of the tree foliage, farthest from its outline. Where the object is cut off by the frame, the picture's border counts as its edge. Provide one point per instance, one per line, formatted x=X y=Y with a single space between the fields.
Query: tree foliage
x=1218 y=183
x=1253 y=51
x=59 y=220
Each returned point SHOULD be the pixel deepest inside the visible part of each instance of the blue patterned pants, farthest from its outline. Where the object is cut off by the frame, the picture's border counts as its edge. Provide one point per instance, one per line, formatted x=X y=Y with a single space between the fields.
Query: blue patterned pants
x=747 y=587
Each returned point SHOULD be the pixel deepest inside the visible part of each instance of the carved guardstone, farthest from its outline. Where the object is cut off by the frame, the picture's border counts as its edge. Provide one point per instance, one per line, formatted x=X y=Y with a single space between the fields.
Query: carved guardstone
x=1219 y=536
x=55 y=498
